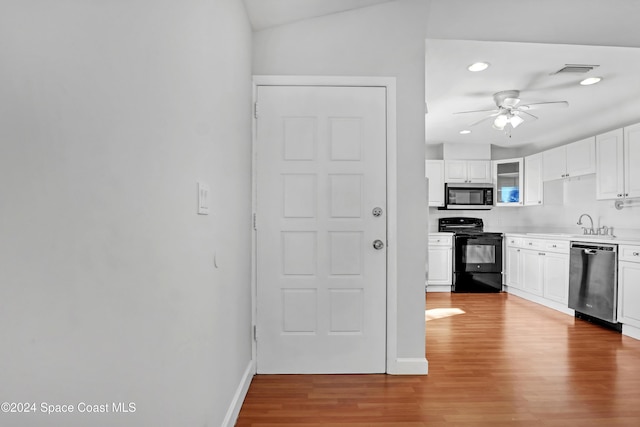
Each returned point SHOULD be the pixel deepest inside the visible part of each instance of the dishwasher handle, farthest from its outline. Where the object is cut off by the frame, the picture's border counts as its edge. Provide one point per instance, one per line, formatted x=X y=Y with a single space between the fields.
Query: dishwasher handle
x=591 y=248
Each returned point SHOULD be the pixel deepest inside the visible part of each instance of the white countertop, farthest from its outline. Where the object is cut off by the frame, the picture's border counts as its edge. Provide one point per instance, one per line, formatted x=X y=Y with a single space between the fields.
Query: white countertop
x=578 y=238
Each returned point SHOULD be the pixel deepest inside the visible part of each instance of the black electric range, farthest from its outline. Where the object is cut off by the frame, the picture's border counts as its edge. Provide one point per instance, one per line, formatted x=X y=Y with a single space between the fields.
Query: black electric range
x=477 y=255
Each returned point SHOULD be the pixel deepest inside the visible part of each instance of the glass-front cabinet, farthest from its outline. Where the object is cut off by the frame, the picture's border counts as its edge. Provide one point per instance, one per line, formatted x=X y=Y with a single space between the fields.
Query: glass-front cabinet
x=508 y=176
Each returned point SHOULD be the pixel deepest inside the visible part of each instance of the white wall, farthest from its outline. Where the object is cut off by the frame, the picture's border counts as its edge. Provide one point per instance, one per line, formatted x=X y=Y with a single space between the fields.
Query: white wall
x=383 y=40
x=110 y=112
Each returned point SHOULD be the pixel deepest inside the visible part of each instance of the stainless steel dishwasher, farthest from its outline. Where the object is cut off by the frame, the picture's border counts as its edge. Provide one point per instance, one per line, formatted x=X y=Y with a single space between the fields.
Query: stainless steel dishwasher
x=593 y=281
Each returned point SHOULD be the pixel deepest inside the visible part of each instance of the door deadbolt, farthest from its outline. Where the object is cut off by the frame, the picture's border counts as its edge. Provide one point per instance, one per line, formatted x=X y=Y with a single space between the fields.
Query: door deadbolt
x=377 y=212
x=378 y=244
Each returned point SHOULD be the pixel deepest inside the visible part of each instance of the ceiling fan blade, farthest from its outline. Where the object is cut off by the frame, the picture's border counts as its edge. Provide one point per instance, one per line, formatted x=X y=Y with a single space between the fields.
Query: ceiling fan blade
x=490 y=116
x=493 y=110
x=529 y=114
x=537 y=105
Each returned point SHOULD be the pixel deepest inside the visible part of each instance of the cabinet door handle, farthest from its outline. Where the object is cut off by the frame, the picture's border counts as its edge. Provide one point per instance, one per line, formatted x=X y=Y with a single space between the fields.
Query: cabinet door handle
x=619 y=195
x=636 y=254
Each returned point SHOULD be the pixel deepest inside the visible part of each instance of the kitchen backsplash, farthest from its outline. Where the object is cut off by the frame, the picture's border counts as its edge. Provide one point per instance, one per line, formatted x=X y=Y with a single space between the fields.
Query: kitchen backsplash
x=564 y=202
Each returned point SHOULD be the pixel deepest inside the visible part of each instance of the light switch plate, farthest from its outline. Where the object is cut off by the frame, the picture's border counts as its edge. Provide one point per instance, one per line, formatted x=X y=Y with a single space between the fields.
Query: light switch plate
x=203 y=199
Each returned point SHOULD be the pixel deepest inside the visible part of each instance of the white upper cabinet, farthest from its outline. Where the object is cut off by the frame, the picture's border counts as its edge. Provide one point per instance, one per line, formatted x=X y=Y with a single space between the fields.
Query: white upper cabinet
x=581 y=157
x=555 y=163
x=575 y=159
x=467 y=171
x=610 y=165
x=632 y=160
x=618 y=154
x=509 y=177
x=533 y=186
x=434 y=170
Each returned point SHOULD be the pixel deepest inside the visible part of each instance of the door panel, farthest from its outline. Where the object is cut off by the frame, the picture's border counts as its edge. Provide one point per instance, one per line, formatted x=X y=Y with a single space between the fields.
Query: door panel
x=632 y=159
x=321 y=285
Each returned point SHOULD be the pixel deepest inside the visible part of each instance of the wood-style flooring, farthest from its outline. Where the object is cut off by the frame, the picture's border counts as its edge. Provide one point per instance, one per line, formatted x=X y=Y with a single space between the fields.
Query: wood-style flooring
x=494 y=360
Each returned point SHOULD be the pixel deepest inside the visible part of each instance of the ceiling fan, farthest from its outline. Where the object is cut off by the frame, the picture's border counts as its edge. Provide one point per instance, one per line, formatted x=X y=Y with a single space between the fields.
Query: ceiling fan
x=509 y=113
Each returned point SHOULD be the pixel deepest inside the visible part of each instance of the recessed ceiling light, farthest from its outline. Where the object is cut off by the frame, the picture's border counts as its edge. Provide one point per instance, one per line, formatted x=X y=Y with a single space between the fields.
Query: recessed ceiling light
x=465 y=132
x=590 y=81
x=478 y=66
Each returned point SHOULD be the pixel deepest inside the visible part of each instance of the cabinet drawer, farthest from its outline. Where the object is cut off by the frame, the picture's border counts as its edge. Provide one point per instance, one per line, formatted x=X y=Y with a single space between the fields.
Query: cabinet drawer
x=629 y=253
x=514 y=241
x=440 y=240
x=561 y=246
x=533 y=244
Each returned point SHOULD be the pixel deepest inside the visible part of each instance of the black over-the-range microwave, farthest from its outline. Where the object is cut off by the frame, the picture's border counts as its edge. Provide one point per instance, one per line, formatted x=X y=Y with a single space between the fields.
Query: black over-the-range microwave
x=468 y=196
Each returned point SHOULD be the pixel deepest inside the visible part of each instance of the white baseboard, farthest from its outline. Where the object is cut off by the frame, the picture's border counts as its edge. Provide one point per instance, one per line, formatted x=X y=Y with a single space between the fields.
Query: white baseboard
x=631 y=331
x=438 y=288
x=238 y=398
x=409 y=366
x=540 y=300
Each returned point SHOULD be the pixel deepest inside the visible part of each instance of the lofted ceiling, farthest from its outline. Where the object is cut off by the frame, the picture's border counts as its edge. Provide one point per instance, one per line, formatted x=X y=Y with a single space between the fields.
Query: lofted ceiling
x=270 y=13
x=529 y=68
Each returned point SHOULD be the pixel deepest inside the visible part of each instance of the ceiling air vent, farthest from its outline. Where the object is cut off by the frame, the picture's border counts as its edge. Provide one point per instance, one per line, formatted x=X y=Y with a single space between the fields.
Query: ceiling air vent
x=575 y=68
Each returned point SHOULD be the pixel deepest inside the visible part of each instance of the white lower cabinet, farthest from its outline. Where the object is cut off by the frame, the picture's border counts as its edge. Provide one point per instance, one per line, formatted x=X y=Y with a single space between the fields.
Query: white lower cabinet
x=629 y=287
x=532 y=273
x=555 y=280
x=513 y=267
x=538 y=270
x=440 y=272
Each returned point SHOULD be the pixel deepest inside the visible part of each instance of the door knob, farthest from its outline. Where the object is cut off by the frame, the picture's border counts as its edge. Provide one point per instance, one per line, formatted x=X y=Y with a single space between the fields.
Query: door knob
x=378 y=244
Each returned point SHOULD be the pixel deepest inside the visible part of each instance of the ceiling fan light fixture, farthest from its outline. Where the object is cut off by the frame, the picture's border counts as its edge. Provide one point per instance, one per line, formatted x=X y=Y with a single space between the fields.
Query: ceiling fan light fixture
x=478 y=66
x=590 y=81
x=500 y=122
x=516 y=121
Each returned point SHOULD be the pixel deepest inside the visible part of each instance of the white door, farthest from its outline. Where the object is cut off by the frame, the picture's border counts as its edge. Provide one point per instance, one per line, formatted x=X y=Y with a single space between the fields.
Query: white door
x=321 y=205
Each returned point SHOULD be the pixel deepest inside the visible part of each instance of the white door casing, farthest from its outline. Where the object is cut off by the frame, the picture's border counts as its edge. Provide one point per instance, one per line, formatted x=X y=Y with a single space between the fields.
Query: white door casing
x=320 y=160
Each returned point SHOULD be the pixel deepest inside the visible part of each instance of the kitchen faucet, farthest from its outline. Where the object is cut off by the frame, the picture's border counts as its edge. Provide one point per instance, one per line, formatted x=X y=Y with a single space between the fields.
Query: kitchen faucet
x=586 y=230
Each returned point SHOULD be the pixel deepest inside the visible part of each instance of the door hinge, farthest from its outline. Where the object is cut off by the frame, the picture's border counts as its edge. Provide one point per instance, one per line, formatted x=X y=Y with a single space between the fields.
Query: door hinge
x=255 y=110
x=254 y=222
x=255 y=333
